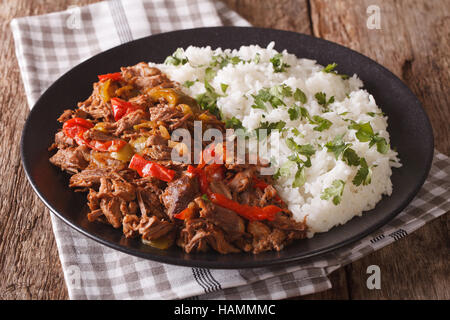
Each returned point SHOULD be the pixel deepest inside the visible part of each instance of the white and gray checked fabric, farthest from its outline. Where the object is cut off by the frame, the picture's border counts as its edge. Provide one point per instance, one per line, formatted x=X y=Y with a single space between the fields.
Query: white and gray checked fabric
x=49 y=45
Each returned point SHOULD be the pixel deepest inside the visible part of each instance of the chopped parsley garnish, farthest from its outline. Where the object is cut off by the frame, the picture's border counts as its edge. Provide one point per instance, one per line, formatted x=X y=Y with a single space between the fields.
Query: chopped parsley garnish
x=277 y=174
x=350 y=157
x=223 y=60
x=188 y=83
x=296 y=158
x=382 y=145
x=364 y=133
x=334 y=192
x=281 y=91
x=304 y=113
x=224 y=87
x=277 y=93
x=373 y=114
x=269 y=126
x=273 y=95
x=278 y=64
x=276 y=101
x=205 y=197
x=236 y=60
x=322 y=123
x=177 y=58
x=257 y=58
x=300 y=96
x=210 y=73
x=321 y=98
x=306 y=150
x=218 y=60
x=291 y=144
x=337 y=146
x=260 y=99
x=331 y=69
x=300 y=178
x=285 y=168
x=234 y=123
x=209 y=88
x=296 y=133
x=294 y=112
x=208 y=100
x=364 y=174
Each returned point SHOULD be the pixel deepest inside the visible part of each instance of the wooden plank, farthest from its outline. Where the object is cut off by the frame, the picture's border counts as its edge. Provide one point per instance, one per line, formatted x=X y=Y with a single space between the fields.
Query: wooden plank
x=415 y=267
x=29 y=260
x=413 y=42
x=292 y=15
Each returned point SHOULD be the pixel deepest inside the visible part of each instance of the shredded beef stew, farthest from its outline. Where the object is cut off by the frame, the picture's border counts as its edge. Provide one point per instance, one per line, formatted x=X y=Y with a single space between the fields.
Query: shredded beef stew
x=117 y=147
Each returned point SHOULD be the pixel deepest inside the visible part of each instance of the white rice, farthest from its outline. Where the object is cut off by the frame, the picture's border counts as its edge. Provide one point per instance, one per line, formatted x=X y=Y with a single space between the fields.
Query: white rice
x=246 y=78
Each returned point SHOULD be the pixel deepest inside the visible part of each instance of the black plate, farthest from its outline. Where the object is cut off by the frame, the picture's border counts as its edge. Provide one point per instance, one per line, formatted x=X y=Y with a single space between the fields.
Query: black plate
x=409 y=128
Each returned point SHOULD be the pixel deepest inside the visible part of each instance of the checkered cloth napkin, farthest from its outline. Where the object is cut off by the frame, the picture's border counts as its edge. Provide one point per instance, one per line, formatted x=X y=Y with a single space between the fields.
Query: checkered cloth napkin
x=49 y=45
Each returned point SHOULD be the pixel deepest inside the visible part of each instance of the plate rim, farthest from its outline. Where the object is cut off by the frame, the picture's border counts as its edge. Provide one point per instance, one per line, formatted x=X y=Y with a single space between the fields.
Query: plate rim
x=214 y=264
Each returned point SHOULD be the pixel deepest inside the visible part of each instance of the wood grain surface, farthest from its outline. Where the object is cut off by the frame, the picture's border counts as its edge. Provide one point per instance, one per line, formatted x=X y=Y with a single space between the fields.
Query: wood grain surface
x=413 y=42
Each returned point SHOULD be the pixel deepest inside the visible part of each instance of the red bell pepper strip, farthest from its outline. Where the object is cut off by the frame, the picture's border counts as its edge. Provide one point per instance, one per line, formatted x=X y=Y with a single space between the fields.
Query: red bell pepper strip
x=262 y=185
x=204 y=184
x=186 y=213
x=81 y=140
x=191 y=169
x=248 y=212
x=147 y=168
x=102 y=146
x=107 y=146
x=73 y=127
x=113 y=76
x=207 y=174
x=121 y=108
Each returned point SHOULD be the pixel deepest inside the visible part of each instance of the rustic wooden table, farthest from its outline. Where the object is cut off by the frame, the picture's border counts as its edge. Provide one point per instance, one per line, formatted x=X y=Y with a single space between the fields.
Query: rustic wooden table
x=413 y=42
